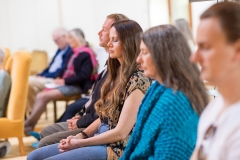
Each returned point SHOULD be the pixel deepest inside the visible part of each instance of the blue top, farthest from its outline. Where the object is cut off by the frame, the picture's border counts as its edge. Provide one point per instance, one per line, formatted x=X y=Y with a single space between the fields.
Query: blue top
x=166 y=127
x=46 y=72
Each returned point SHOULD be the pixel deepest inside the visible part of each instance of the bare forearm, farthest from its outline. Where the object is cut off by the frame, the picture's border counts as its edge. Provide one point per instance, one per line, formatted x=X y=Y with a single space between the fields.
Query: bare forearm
x=93 y=128
x=104 y=138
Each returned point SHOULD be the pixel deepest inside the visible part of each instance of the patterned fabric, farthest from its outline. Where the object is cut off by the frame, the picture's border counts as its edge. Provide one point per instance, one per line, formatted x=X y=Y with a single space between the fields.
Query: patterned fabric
x=166 y=127
x=136 y=81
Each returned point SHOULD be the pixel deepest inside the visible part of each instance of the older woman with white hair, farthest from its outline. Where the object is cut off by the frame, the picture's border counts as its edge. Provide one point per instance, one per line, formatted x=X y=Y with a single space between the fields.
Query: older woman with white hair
x=183 y=26
x=75 y=78
x=5 y=83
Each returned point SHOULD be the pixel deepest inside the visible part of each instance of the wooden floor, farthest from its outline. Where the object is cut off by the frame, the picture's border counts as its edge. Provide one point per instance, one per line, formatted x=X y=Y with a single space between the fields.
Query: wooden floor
x=14 y=153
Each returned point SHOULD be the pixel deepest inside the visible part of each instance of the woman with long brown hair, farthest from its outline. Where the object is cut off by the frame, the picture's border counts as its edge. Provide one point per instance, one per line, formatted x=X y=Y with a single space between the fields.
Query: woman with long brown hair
x=121 y=96
x=166 y=126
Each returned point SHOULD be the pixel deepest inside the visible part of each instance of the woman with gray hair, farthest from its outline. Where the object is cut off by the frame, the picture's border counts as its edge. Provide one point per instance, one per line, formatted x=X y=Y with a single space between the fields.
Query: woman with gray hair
x=167 y=120
x=75 y=78
x=183 y=26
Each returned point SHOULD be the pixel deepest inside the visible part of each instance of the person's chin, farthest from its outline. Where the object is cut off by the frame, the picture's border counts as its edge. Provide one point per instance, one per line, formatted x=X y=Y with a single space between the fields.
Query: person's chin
x=112 y=55
x=146 y=73
x=100 y=44
x=204 y=77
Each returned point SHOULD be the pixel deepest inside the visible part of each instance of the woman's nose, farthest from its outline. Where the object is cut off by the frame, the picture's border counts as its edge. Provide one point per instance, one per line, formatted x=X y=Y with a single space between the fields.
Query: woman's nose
x=109 y=44
x=138 y=60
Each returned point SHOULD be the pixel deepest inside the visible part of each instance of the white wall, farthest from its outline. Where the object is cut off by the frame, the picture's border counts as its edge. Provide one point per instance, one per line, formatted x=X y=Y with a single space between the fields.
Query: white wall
x=25 y=24
x=197 y=9
x=158 y=12
x=28 y=23
x=179 y=9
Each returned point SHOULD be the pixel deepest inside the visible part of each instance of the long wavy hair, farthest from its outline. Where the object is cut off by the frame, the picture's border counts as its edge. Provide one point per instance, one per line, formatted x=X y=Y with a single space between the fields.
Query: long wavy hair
x=170 y=53
x=129 y=35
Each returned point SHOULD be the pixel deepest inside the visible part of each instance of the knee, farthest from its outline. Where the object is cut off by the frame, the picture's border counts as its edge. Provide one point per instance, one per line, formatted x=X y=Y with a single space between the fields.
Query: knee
x=43 y=142
x=42 y=96
x=44 y=132
x=33 y=155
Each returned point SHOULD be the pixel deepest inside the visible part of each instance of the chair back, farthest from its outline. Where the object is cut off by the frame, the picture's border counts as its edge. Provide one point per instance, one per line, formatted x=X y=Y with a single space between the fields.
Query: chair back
x=18 y=67
x=39 y=62
x=7 y=55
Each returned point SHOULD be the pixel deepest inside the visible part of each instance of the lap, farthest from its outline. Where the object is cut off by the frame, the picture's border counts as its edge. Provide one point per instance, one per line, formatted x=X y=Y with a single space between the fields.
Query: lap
x=53 y=94
x=85 y=153
x=51 y=152
x=69 y=90
x=54 y=128
x=34 y=80
x=56 y=132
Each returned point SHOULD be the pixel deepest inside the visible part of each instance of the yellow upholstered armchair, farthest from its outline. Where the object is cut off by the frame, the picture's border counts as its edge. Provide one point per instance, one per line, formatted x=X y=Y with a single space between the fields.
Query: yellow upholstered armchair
x=39 y=62
x=18 y=66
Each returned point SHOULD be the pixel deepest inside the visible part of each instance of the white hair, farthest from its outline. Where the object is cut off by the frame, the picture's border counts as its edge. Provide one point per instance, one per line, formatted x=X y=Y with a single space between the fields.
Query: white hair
x=183 y=26
x=60 y=31
x=2 y=56
x=78 y=34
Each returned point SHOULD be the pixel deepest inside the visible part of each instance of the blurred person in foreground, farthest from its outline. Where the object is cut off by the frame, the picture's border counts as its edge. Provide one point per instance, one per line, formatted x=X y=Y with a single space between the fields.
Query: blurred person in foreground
x=218 y=53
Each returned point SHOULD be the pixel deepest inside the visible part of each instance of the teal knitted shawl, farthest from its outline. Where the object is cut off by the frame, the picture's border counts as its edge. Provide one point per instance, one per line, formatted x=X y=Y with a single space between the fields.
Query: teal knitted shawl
x=166 y=127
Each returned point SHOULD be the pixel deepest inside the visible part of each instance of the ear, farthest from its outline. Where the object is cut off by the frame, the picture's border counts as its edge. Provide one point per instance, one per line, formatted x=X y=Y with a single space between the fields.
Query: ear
x=237 y=49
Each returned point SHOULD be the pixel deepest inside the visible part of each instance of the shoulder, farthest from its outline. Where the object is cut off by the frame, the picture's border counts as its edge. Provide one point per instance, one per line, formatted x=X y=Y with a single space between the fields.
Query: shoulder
x=210 y=112
x=5 y=78
x=171 y=103
x=58 y=50
x=170 y=96
x=139 y=81
x=83 y=56
x=4 y=74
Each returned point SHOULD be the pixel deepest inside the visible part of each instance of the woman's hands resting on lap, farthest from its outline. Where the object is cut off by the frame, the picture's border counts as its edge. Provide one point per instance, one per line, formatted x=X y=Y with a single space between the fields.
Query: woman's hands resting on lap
x=70 y=143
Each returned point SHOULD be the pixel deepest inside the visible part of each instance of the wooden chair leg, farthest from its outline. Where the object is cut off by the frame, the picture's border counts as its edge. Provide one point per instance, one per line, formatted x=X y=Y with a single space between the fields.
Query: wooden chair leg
x=55 y=110
x=46 y=114
x=66 y=104
x=21 y=146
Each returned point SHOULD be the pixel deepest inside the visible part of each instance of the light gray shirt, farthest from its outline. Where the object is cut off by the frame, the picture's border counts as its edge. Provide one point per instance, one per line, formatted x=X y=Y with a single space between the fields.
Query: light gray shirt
x=5 y=85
